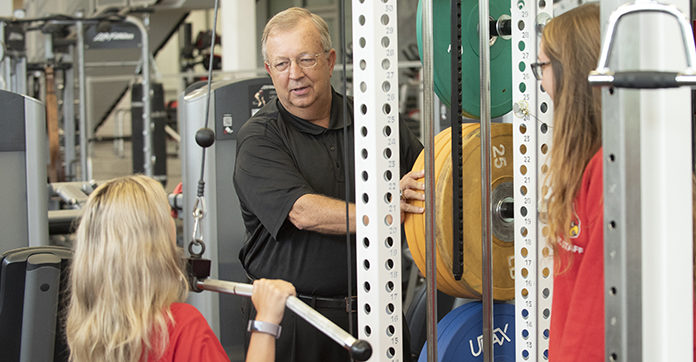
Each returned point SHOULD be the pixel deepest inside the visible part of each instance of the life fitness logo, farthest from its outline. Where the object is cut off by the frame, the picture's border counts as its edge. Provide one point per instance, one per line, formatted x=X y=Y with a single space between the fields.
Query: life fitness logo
x=104 y=37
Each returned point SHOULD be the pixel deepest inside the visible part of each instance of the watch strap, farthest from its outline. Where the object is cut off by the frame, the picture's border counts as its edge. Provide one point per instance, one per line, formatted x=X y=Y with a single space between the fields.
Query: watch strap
x=264 y=327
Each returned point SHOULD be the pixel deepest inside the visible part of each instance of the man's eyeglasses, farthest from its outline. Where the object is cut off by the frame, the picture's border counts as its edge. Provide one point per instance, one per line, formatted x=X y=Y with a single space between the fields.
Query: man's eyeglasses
x=538 y=69
x=305 y=61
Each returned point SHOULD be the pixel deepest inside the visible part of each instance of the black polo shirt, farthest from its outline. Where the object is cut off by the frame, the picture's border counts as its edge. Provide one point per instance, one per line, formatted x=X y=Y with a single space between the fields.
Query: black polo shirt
x=279 y=158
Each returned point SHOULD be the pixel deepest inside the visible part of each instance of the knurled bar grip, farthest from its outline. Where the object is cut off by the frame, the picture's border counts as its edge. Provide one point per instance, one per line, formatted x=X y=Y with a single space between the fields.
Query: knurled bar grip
x=604 y=77
x=359 y=349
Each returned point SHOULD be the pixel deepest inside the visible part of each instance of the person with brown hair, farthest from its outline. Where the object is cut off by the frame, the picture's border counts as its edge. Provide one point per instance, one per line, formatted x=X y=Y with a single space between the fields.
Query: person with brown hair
x=570 y=46
x=127 y=284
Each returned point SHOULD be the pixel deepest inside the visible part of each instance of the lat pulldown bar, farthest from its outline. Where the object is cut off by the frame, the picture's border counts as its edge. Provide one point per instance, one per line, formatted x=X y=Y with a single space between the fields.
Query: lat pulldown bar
x=199 y=270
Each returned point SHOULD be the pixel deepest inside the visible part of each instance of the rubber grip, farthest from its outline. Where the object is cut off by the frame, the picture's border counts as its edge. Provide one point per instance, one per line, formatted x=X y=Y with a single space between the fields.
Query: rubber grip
x=361 y=350
x=645 y=80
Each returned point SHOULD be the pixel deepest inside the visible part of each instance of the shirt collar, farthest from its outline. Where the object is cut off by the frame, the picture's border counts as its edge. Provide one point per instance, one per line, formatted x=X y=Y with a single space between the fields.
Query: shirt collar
x=335 y=121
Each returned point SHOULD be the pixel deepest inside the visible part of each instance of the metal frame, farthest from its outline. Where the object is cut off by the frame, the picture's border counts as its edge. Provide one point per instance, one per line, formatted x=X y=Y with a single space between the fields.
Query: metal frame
x=378 y=231
x=647 y=179
x=36 y=173
x=17 y=82
x=13 y=67
x=532 y=119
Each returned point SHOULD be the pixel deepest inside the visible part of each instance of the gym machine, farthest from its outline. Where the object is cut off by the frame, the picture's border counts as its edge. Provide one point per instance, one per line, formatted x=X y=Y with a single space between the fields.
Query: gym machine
x=33 y=281
x=23 y=181
x=14 y=76
x=231 y=104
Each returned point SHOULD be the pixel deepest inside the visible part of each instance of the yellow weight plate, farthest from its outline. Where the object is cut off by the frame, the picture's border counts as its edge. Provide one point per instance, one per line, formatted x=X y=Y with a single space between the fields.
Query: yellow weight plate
x=503 y=250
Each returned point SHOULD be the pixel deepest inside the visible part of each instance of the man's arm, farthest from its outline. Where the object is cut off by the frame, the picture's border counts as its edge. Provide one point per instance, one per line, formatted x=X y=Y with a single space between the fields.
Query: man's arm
x=325 y=215
x=321 y=214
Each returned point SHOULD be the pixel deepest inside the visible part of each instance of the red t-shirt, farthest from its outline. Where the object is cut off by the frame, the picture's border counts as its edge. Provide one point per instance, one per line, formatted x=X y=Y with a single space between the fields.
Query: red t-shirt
x=191 y=339
x=577 y=314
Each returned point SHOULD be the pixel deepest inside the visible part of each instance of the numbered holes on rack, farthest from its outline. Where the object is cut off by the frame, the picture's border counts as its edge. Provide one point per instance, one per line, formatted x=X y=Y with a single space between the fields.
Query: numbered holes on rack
x=386 y=86
x=386 y=64
x=546 y=251
x=385 y=42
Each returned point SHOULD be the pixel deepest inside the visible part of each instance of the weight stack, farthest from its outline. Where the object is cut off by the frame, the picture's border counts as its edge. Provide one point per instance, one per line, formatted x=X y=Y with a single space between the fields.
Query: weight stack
x=159 y=137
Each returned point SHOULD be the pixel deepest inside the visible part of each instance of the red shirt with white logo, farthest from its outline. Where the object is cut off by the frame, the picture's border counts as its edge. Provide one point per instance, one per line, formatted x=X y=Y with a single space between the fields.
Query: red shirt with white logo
x=577 y=313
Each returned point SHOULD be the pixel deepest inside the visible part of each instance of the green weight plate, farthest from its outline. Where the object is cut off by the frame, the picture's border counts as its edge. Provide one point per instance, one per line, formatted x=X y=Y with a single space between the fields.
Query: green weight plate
x=500 y=54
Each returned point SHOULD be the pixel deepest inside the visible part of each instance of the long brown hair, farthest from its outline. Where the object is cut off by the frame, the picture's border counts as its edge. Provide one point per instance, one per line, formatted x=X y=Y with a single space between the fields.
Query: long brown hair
x=126 y=272
x=572 y=42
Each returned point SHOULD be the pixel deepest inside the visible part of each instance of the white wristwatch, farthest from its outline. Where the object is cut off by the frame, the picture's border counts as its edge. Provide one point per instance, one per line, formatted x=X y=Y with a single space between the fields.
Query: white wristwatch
x=264 y=327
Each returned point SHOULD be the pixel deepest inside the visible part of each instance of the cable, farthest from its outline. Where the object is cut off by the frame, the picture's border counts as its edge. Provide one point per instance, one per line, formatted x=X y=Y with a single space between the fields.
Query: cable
x=205 y=136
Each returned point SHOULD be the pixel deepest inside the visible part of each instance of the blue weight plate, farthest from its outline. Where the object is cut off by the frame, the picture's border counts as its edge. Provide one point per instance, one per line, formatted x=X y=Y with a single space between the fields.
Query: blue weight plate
x=461 y=339
x=443 y=327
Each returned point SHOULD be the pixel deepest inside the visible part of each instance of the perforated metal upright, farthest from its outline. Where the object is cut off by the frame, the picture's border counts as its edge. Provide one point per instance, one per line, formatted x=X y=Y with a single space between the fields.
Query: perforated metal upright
x=375 y=80
x=647 y=197
x=532 y=119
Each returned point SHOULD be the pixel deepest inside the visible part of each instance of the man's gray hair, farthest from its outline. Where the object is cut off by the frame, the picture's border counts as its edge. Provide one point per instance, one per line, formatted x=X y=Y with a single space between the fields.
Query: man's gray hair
x=289 y=18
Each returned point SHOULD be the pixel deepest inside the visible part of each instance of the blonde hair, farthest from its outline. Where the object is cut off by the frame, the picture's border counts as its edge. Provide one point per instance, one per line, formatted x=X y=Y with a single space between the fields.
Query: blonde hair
x=572 y=42
x=288 y=19
x=125 y=273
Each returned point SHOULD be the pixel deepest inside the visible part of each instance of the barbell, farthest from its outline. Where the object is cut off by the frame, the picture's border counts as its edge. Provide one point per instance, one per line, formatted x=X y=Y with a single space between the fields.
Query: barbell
x=198 y=271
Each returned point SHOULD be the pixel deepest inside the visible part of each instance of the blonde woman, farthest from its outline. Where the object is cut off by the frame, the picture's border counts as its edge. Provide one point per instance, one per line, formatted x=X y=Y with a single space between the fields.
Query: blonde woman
x=570 y=46
x=127 y=284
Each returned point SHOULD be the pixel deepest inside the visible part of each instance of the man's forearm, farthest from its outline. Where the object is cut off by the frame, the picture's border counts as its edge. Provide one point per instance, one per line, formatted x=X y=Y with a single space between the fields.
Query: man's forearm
x=322 y=214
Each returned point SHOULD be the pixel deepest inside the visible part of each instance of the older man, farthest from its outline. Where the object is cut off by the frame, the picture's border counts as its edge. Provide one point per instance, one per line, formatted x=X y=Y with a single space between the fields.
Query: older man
x=291 y=181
